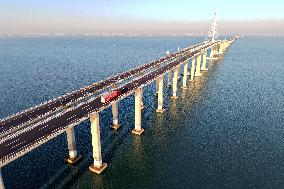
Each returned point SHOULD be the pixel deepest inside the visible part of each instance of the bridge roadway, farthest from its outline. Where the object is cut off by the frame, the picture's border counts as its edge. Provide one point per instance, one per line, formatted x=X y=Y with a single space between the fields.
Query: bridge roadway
x=16 y=121
x=17 y=145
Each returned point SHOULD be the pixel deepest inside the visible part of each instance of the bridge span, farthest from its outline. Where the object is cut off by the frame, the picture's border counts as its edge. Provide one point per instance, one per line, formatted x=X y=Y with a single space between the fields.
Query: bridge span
x=25 y=131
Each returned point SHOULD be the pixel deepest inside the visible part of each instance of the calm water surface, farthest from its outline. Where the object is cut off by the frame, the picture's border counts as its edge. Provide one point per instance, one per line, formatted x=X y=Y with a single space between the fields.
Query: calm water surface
x=226 y=131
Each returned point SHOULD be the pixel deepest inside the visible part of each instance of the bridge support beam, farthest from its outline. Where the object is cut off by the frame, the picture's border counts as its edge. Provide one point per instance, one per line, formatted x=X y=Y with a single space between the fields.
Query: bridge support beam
x=160 y=95
x=184 y=80
x=169 y=78
x=192 y=71
x=197 y=72
x=175 y=82
x=115 y=115
x=204 y=61
x=71 y=141
x=138 y=130
x=1 y=181
x=98 y=166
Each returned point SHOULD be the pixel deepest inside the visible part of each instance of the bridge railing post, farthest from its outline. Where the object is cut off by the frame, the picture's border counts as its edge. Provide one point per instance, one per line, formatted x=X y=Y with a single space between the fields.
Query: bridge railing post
x=98 y=166
x=1 y=181
x=204 y=61
x=160 y=94
x=198 y=66
x=71 y=141
x=175 y=81
x=192 y=71
x=138 y=130
x=115 y=115
x=184 y=80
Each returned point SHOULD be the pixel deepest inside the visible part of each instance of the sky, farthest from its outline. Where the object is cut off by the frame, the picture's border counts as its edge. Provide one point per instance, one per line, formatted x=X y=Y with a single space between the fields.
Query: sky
x=257 y=17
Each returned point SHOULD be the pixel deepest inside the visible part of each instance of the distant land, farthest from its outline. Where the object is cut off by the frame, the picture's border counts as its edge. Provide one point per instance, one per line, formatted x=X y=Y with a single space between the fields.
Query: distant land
x=6 y=35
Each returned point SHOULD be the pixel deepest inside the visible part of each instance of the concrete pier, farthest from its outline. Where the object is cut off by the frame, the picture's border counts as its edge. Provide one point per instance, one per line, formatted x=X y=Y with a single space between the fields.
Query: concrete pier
x=178 y=72
x=115 y=115
x=184 y=80
x=142 y=103
x=1 y=181
x=169 y=78
x=138 y=130
x=160 y=94
x=157 y=86
x=73 y=155
x=211 y=53
x=175 y=81
x=98 y=166
x=198 y=66
x=192 y=71
x=204 y=61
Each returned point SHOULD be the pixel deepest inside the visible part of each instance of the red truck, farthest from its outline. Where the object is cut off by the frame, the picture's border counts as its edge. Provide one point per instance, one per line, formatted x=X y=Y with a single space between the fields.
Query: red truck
x=109 y=96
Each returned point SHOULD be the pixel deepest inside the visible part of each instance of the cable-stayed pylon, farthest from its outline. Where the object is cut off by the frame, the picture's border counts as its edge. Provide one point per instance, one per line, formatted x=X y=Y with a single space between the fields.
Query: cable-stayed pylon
x=213 y=32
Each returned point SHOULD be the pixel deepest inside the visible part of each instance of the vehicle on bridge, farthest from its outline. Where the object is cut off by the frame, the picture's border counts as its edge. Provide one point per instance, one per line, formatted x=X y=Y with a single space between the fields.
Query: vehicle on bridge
x=109 y=96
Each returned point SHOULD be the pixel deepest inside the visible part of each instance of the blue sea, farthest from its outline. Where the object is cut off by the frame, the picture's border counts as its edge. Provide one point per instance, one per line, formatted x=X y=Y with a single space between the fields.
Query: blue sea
x=225 y=131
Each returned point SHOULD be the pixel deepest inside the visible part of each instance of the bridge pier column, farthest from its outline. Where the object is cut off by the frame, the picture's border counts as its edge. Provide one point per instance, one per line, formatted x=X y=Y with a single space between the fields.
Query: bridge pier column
x=178 y=72
x=142 y=104
x=160 y=95
x=157 y=86
x=137 y=130
x=169 y=78
x=115 y=115
x=1 y=181
x=71 y=141
x=204 y=61
x=175 y=81
x=184 y=80
x=192 y=71
x=98 y=166
x=197 y=72
x=212 y=51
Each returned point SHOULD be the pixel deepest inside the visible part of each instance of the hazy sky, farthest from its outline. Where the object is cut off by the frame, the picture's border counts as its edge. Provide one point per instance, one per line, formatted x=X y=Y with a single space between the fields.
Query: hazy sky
x=156 y=16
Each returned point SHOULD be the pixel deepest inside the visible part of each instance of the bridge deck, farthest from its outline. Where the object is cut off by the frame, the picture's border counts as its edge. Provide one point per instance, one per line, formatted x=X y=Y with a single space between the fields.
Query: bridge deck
x=46 y=108
x=20 y=143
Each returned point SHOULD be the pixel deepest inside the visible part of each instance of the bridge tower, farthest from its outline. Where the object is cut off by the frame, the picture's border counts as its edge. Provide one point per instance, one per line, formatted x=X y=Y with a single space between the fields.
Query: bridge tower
x=213 y=33
x=213 y=36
